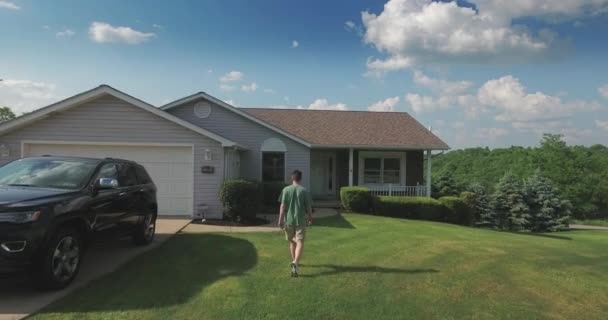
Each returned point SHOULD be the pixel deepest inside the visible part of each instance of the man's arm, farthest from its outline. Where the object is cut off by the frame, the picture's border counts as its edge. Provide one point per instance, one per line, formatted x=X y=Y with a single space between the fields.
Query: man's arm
x=281 y=221
x=309 y=213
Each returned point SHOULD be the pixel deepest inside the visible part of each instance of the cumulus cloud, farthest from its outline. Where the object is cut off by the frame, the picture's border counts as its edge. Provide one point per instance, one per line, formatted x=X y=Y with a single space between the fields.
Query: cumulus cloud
x=65 y=33
x=602 y=124
x=442 y=86
x=294 y=44
x=232 y=76
x=412 y=32
x=26 y=95
x=249 y=87
x=226 y=87
x=388 y=104
x=102 y=32
x=9 y=5
x=603 y=91
x=351 y=26
x=318 y=104
x=510 y=99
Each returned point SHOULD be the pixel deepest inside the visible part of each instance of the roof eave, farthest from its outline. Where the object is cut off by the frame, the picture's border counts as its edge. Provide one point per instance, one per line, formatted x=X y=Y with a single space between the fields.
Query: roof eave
x=379 y=147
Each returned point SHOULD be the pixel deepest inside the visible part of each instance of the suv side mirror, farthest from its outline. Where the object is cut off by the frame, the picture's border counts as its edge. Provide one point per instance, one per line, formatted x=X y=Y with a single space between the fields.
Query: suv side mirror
x=106 y=183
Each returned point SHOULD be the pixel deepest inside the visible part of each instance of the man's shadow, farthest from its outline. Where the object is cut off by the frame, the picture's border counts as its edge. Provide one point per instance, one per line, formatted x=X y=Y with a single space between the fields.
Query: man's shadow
x=337 y=269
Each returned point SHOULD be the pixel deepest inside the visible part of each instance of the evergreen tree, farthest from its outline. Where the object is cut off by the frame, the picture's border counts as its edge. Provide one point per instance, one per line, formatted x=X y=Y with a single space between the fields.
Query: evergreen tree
x=508 y=203
x=547 y=211
x=484 y=216
x=446 y=185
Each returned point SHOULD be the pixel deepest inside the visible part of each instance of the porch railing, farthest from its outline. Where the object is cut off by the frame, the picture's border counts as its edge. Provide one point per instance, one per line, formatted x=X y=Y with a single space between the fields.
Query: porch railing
x=398 y=190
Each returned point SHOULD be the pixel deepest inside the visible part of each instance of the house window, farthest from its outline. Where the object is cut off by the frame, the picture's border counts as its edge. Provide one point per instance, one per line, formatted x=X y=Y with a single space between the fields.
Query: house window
x=273 y=166
x=381 y=170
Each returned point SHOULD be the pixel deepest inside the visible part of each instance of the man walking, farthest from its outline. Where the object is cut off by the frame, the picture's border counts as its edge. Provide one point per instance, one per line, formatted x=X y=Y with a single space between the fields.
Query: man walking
x=295 y=213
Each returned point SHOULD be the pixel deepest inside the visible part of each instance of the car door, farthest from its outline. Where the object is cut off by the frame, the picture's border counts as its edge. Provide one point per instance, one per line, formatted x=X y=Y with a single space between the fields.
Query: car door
x=128 y=195
x=105 y=206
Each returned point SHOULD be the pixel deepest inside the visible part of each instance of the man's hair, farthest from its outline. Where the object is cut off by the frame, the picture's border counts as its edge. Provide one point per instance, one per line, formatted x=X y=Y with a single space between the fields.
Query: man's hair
x=296 y=175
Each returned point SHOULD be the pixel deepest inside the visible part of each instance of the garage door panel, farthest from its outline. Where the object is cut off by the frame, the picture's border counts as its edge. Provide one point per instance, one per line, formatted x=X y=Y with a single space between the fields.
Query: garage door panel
x=170 y=168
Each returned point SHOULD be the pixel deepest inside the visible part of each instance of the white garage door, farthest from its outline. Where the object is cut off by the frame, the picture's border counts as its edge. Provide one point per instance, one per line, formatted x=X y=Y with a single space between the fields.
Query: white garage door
x=170 y=167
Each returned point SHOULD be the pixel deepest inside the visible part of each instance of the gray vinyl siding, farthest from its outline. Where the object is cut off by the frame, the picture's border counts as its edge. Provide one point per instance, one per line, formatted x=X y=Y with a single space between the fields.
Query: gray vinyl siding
x=108 y=119
x=250 y=134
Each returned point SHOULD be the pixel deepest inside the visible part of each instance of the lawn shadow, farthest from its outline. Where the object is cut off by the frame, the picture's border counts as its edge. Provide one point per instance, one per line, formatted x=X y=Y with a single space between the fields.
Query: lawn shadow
x=542 y=235
x=336 y=221
x=169 y=275
x=337 y=269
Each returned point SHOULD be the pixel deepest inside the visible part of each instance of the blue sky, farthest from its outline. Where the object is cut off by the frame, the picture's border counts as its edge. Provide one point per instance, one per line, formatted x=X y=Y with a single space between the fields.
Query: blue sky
x=482 y=73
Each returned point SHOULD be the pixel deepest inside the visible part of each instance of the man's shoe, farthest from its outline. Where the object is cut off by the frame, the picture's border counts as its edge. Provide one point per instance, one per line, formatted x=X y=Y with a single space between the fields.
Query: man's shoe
x=294 y=270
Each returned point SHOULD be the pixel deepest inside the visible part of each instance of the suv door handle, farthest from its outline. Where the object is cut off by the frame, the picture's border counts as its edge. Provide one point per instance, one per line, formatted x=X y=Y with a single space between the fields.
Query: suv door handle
x=122 y=194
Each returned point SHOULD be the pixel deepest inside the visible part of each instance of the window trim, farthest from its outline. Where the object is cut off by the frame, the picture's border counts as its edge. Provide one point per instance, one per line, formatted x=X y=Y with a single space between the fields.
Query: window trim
x=382 y=155
x=262 y=164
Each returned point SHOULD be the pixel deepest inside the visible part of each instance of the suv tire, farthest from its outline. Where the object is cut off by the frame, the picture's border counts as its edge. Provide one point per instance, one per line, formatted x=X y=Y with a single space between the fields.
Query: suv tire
x=61 y=260
x=144 y=232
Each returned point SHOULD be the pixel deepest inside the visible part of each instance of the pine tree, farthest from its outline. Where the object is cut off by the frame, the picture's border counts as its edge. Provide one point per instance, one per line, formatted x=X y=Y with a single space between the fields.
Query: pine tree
x=446 y=185
x=484 y=216
x=508 y=203
x=548 y=212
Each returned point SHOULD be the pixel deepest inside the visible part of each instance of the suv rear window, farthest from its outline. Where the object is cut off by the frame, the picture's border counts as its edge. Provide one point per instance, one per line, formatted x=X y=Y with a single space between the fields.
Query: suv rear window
x=142 y=175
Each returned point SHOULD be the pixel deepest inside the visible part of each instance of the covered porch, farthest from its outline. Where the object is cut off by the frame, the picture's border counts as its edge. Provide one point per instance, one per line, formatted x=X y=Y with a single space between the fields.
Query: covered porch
x=387 y=172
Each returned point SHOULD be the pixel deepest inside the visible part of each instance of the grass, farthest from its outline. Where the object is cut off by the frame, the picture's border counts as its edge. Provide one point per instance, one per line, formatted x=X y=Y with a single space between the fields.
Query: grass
x=357 y=267
x=592 y=222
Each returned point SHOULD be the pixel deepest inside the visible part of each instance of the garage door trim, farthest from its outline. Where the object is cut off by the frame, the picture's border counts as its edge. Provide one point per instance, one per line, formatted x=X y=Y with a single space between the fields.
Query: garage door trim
x=24 y=143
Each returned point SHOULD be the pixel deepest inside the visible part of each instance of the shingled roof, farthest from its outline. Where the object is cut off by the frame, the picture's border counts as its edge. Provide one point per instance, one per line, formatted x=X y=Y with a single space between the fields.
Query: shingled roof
x=351 y=128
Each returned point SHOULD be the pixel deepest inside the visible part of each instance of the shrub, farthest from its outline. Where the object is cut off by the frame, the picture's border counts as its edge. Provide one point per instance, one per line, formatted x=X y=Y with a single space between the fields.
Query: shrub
x=241 y=199
x=512 y=212
x=484 y=216
x=272 y=192
x=410 y=208
x=548 y=212
x=457 y=210
x=356 y=199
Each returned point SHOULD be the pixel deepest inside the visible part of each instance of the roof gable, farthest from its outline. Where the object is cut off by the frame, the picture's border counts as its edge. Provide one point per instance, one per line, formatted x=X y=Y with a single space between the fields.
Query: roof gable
x=86 y=96
x=203 y=95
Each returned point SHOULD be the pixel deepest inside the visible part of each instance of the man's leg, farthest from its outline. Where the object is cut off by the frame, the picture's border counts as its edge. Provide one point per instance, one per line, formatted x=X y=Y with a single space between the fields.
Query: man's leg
x=298 y=253
x=292 y=250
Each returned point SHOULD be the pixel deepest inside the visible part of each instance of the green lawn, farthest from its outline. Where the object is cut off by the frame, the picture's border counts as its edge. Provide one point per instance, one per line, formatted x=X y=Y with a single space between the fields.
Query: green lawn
x=357 y=267
x=592 y=222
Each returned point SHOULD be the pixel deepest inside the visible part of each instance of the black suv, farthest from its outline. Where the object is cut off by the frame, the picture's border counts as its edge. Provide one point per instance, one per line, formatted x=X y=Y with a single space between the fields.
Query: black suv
x=51 y=206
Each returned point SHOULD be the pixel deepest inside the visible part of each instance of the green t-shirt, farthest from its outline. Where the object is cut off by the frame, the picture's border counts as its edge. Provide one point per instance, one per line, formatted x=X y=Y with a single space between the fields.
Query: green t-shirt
x=296 y=200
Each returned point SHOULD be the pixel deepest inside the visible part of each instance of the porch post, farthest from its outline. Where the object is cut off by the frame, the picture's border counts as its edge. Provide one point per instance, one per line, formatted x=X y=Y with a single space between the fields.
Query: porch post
x=350 y=166
x=428 y=173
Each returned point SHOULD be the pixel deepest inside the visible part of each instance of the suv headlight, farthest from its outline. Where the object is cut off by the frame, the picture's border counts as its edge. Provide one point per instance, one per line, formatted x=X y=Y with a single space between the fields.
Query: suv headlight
x=19 y=217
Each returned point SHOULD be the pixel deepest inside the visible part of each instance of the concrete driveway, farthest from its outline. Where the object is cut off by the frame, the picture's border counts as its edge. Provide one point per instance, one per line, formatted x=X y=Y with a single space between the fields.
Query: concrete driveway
x=19 y=298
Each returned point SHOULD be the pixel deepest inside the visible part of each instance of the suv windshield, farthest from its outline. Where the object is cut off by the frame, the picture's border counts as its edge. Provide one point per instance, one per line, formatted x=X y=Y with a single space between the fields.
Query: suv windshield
x=47 y=173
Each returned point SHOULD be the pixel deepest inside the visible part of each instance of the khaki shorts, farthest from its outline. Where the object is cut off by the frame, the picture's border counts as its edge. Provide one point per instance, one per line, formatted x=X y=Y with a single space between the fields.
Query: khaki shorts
x=295 y=233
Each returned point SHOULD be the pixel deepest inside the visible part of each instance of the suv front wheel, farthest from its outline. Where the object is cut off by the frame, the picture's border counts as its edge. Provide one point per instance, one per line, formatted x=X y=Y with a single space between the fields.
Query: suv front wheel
x=144 y=232
x=62 y=259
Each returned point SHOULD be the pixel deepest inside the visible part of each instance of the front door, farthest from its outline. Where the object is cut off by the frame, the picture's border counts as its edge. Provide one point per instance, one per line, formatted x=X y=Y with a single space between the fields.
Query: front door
x=323 y=174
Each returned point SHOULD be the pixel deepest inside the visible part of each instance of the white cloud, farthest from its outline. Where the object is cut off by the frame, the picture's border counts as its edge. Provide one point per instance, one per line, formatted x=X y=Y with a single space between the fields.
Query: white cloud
x=9 y=5
x=102 y=32
x=421 y=103
x=26 y=95
x=157 y=26
x=602 y=124
x=442 y=86
x=388 y=104
x=268 y=90
x=571 y=133
x=295 y=44
x=250 y=87
x=351 y=26
x=412 y=32
x=510 y=99
x=66 y=33
x=46 y=27
x=318 y=104
x=490 y=133
x=323 y=104
x=603 y=91
x=232 y=76
x=226 y=87
x=230 y=102
x=210 y=71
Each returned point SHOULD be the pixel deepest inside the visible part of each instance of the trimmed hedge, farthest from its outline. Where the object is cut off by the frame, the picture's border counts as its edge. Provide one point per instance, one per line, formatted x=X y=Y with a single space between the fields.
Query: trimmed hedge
x=458 y=211
x=241 y=199
x=272 y=192
x=356 y=199
x=410 y=208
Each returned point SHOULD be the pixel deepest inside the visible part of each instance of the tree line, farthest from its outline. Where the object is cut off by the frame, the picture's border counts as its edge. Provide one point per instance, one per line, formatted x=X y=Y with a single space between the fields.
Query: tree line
x=578 y=174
